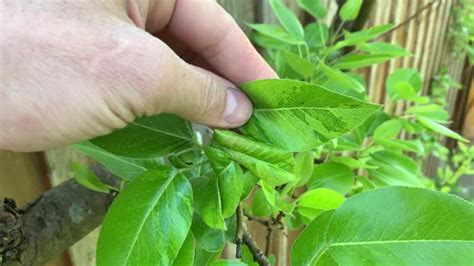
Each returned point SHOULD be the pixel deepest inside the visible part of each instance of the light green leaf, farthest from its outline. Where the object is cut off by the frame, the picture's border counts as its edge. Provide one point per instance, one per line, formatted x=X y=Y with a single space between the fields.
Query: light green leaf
x=430 y=111
x=388 y=130
x=314 y=7
x=390 y=226
x=139 y=221
x=228 y=263
x=361 y=60
x=273 y=165
x=359 y=37
x=210 y=239
x=275 y=32
x=316 y=35
x=247 y=256
x=84 y=176
x=335 y=176
x=415 y=146
x=126 y=168
x=368 y=128
x=260 y=206
x=350 y=10
x=304 y=167
x=436 y=127
x=314 y=202
x=343 y=81
x=207 y=201
x=352 y=163
x=250 y=180
x=403 y=75
x=383 y=48
x=147 y=137
x=394 y=169
x=204 y=257
x=300 y=65
x=287 y=18
x=186 y=253
x=229 y=178
x=299 y=116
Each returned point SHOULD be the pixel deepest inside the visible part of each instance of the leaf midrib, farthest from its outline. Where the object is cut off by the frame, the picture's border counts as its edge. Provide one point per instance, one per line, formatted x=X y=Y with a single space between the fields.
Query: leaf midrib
x=145 y=217
x=161 y=131
x=307 y=108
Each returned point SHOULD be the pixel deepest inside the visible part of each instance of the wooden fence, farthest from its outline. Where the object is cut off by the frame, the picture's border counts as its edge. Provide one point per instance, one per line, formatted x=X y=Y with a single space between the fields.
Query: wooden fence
x=424 y=33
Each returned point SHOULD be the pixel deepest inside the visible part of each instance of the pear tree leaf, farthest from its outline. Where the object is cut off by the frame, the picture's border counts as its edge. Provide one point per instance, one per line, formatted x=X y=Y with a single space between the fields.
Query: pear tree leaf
x=383 y=48
x=299 y=116
x=269 y=163
x=314 y=7
x=430 y=111
x=260 y=205
x=186 y=253
x=300 y=65
x=350 y=10
x=304 y=164
x=207 y=201
x=275 y=32
x=333 y=175
x=250 y=180
x=316 y=35
x=147 y=137
x=351 y=61
x=314 y=202
x=343 y=81
x=287 y=18
x=124 y=167
x=436 y=127
x=86 y=177
x=403 y=75
x=390 y=226
x=139 y=221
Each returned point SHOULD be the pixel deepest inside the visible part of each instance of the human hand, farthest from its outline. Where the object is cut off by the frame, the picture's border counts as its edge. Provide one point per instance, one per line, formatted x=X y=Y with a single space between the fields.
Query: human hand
x=74 y=70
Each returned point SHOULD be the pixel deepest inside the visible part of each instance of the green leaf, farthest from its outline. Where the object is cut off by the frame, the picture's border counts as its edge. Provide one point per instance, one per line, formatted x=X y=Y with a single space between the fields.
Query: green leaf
x=287 y=18
x=388 y=130
x=314 y=202
x=343 y=81
x=304 y=167
x=352 y=163
x=383 y=48
x=394 y=169
x=359 y=37
x=247 y=256
x=209 y=239
x=260 y=206
x=84 y=176
x=139 y=221
x=390 y=226
x=314 y=7
x=205 y=258
x=368 y=128
x=335 y=176
x=405 y=76
x=228 y=263
x=229 y=178
x=300 y=65
x=430 y=111
x=186 y=253
x=207 y=201
x=361 y=60
x=250 y=180
x=436 y=127
x=126 y=168
x=299 y=116
x=273 y=165
x=316 y=35
x=275 y=32
x=350 y=10
x=147 y=137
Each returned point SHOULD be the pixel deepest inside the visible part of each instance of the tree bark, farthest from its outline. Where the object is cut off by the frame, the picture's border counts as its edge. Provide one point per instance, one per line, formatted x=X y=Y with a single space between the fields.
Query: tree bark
x=52 y=223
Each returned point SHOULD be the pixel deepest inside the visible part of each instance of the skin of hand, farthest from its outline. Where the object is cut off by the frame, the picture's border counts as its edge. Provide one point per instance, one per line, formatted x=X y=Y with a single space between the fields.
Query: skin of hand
x=73 y=70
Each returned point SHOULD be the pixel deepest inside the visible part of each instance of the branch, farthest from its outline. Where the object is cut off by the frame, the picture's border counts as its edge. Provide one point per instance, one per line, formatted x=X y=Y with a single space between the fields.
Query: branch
x=52 y=223
x=243 y=236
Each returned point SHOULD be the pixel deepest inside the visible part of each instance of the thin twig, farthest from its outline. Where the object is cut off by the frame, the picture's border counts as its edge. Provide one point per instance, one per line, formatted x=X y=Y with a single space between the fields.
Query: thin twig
x=243 y=236
x=417 y=13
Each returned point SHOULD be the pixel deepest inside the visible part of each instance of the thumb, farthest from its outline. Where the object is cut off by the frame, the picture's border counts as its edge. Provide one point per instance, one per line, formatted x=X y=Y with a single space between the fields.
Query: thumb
x=188 y=91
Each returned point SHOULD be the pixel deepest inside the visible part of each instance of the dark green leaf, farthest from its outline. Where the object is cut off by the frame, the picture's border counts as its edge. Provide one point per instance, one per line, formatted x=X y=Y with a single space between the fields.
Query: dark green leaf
x=147 y=137
x=209 y=239
x=304 y=167
x=316 y=35
x=390 y=226
x=126 y=168
x=273 y=165
x=139 y=221
x=335 y=176
x=350 y=10
x=299 y=116
x=207 y=201
x=250 y=180
x=84 y=176
x=287 y=18
x=315 y=7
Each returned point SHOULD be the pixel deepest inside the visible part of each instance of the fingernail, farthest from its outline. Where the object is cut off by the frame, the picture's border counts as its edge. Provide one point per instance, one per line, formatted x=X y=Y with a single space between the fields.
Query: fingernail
x=238 y=108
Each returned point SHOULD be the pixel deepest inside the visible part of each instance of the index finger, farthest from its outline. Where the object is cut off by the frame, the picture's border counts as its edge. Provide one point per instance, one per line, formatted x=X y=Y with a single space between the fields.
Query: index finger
x=206 y=28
